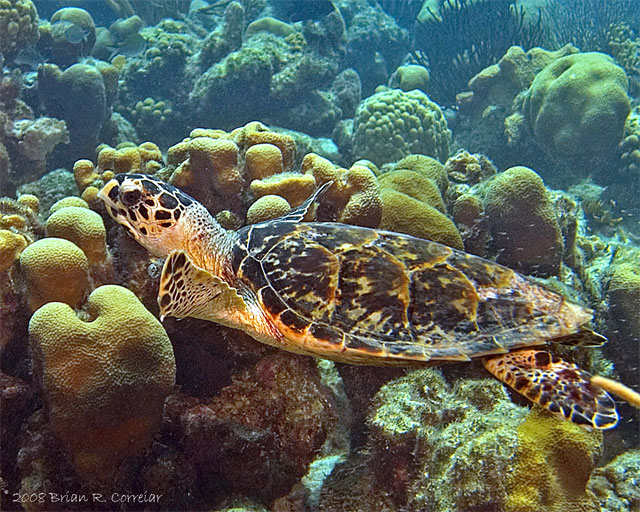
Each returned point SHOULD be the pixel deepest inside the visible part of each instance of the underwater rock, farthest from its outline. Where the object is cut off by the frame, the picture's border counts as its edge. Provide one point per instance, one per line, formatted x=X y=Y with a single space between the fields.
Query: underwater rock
x=615 y=485
x=523 y=224
x=104 y=381
x=257 y=436
x=392 y=124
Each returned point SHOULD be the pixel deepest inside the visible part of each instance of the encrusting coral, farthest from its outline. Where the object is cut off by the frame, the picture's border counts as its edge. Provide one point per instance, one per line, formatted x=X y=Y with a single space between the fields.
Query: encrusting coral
x=104 y=380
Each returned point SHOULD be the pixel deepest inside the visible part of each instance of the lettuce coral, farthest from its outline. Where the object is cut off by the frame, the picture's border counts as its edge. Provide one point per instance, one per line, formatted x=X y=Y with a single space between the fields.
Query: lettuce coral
x=392 y=124
x=104 y=381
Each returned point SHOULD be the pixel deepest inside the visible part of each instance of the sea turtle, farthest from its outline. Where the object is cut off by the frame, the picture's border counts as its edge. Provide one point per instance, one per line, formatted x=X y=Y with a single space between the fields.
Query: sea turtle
x=359 y=295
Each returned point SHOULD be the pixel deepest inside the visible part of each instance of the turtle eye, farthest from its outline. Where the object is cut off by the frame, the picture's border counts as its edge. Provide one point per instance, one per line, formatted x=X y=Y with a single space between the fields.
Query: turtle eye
x=131 y=197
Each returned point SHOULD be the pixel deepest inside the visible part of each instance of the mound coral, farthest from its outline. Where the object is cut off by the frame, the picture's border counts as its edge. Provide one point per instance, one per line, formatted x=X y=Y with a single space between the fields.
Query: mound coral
x=11 y=246
x=79 y=96
x=69 y=37
x=55 y=270
x=523 y=223
x=84 y=228
x=406 y=214
x=266 y=208
x=353 y=198
x=577 y=105
x=104 y=381
x=553 y=462
x=427 y=167
x=18 y=26
x=392 y=124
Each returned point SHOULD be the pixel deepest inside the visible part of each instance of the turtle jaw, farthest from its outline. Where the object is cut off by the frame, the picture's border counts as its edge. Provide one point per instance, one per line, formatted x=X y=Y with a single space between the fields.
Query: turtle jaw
x=135 y=202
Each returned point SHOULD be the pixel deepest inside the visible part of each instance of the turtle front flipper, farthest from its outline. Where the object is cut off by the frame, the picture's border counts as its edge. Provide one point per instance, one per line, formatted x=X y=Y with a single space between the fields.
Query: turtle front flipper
x=558 y=386
x=188 y=290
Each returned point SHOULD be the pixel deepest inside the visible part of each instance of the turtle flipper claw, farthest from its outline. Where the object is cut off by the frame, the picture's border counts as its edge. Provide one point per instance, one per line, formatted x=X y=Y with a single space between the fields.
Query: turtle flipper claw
x=558 y=386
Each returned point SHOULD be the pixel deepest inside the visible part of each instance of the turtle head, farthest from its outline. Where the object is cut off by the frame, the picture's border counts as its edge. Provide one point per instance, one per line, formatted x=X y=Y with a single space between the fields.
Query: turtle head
x=153 y=212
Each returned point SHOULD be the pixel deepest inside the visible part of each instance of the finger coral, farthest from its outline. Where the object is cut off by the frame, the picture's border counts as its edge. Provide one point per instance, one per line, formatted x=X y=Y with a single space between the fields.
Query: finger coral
x=18 y=25
x=104 y=380
x=392 y=124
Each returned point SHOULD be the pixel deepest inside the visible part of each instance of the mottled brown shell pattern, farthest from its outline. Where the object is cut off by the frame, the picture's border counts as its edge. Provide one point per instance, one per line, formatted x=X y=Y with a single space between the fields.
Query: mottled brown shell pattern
x=386 y=298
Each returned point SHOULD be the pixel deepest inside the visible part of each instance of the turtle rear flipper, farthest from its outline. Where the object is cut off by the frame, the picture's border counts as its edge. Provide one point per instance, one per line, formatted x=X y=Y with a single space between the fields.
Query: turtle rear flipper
x=558 y=386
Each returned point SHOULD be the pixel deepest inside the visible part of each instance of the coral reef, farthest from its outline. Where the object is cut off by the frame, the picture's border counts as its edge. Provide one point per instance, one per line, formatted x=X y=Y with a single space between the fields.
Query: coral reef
x=18 y=26
x=553 y=462
x=577 y=105
x=523 y=223
x=392 y=123
x=104 y=381
x=258 y=435
x=267 y=207
x=615 y=485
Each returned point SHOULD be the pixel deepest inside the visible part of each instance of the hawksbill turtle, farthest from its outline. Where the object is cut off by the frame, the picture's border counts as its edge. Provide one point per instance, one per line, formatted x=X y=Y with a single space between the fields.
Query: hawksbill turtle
x=362 y=296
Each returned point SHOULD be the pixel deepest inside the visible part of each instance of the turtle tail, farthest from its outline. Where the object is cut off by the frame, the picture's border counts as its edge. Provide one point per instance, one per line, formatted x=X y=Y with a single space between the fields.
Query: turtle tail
x=558 y=386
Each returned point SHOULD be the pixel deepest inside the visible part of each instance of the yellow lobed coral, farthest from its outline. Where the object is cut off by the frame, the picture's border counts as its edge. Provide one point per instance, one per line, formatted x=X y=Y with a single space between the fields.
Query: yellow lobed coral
x=55 y=270
x=104 y=380
x=553 y=463
x=293 y=187
x=11 y=246
x=216 y=161
x=263 y=160
x=266 y=208
x=354 y=197
x=84 y=228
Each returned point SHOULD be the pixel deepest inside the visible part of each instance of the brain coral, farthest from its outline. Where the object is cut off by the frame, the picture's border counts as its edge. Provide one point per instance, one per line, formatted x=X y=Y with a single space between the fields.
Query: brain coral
x=55 y=270
x=578 y=104
x=392 y=124
x=523 y=223
x=552 y=466
x=104 y=380
x=18 y=25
